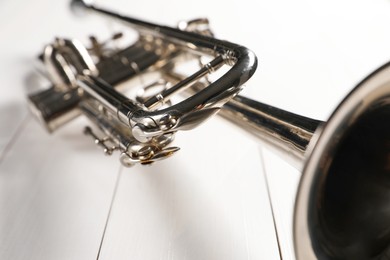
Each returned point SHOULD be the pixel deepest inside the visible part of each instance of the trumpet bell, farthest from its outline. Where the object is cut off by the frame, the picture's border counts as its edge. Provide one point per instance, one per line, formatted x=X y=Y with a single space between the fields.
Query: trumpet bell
x=342 y=207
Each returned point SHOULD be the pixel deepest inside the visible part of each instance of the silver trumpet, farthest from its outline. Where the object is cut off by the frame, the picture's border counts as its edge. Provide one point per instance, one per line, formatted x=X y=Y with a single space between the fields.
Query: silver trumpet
x=83 y=80
x=342 y=207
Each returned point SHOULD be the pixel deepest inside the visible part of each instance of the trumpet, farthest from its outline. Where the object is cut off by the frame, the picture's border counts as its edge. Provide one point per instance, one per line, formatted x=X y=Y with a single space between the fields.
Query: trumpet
x=142 y=130
x=341 y=209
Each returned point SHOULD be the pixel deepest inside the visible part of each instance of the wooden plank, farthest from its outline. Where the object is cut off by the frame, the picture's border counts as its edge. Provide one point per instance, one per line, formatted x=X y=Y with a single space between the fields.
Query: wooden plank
x=283 y=181
x=54 y=200
x=207 y=202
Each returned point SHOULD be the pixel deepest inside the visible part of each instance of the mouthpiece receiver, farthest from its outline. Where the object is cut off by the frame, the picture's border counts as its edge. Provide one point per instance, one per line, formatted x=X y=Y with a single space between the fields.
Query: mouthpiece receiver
x=80 y=6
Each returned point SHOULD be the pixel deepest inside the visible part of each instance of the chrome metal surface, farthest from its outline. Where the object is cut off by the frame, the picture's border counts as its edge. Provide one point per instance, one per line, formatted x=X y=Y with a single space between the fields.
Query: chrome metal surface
x=150 y=125
x=287 y=132
x=341 y=207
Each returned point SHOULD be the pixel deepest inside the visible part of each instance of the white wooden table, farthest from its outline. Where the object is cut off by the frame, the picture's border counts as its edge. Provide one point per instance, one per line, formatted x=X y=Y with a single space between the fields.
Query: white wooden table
x=223 y=196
